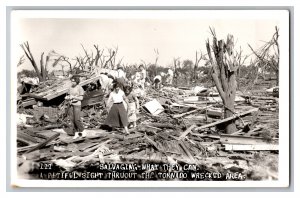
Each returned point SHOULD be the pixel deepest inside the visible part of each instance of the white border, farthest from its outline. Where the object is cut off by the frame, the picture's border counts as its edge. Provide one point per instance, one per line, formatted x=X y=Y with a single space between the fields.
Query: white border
x=283 y=113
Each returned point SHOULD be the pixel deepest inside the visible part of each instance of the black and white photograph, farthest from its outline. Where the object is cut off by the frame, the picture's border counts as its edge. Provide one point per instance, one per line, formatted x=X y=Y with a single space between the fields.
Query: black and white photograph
x=161 y=98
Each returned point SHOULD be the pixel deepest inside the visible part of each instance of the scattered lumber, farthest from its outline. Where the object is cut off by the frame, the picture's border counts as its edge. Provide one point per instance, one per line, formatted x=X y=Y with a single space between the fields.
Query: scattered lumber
x=162 y=125
x=217 y=122
x=227 y=119
x=249 y=147
x=260 y=97
x=183 y=132
x=42 y=144
x=238 y=139
x=28 y=102
x=190 y=112
x=187 y=152
x=187 y=132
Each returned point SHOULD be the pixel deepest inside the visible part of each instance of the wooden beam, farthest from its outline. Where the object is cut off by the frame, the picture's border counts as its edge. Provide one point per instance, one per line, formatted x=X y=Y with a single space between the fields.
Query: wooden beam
x=186 y=150
x=29 y=102
x=42 y=144
x=248 y=147
x=217 y=122
x=162 y=125
x=187 y=131
x=227 y=119
x=152 y=142
x=238 y=139
x=260 y=97
x=193 y=111
x=24 y=136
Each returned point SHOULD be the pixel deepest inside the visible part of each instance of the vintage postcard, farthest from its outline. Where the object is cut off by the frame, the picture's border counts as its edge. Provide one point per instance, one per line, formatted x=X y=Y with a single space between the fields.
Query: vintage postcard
x=149 y=98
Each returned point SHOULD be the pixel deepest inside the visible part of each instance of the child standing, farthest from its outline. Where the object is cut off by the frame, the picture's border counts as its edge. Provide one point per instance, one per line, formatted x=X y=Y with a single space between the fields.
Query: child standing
x=133 y=105
x=117 y=116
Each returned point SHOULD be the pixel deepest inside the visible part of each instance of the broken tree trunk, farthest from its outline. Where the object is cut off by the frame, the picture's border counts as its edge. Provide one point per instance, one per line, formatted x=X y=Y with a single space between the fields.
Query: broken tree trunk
x=224 y=67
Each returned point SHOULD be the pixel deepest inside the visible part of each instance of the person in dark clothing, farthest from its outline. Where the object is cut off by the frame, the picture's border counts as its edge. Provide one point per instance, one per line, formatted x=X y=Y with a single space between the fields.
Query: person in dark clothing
x=74 y=98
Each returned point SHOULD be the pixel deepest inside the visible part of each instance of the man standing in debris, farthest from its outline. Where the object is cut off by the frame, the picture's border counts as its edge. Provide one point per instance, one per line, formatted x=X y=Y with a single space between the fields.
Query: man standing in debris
x=74 y=98
x=157 y=81
x=170 y=75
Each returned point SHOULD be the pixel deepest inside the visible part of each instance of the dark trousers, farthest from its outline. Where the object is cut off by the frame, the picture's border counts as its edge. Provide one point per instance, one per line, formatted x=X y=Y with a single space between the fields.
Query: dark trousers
x=76 y=125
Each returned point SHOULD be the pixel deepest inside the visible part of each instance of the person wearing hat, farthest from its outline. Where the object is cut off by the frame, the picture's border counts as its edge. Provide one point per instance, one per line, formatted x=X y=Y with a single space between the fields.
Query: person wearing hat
x=74 y=98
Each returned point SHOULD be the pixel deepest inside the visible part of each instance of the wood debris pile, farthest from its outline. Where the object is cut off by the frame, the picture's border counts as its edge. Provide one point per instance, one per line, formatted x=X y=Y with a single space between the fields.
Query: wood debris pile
x=188 y=131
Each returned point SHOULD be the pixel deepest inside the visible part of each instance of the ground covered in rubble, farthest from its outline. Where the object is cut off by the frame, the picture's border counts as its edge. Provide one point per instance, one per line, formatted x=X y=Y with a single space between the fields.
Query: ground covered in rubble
x=186 y=140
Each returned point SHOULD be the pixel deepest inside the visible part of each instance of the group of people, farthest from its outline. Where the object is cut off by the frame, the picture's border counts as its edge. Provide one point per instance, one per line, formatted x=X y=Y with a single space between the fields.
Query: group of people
x=122 y=104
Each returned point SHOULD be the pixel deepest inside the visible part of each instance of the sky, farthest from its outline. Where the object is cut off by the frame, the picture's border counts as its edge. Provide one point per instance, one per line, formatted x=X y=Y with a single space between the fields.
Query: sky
x=137 y=37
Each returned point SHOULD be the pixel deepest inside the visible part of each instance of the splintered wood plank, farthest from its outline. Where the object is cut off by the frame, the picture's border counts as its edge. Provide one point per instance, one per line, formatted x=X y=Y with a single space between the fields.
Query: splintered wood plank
x=186 y=150
x=44 y=143
x=86 y=146
x=26 y=138
x=217 y=122
x=152 y=142
x=187 y=131
x=238 y=139
x=227 y=119
x=193 y=111
x=248 y=147
x=70 y=154
x=24 y=141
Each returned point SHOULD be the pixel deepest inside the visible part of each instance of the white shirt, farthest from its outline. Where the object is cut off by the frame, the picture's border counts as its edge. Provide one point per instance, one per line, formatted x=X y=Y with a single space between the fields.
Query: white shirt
x=76 y=91
x=105 y=81
x=120 y=74
x=116 y=97
x=170 y=72
x=157 y=77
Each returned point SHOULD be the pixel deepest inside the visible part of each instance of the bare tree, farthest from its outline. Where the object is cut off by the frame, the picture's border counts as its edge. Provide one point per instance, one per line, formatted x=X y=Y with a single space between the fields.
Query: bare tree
x=225 y=62
x=112 y=53
x=21 y=61
x=26 y=49
x=176 y=62
x=269 y=55
x=199 y=57
x=156 y=59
